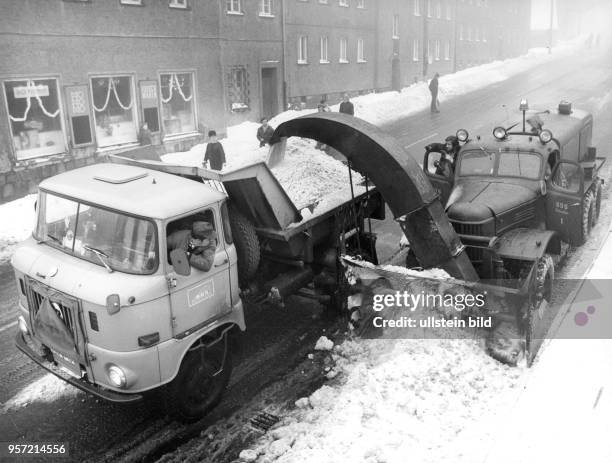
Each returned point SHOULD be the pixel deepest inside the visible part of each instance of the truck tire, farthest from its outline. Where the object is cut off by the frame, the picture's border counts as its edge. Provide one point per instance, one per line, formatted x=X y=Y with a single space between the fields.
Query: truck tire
x=537 y=320
x=196 y=389
x=247 y=246
x=599 y=191
x=586 y=223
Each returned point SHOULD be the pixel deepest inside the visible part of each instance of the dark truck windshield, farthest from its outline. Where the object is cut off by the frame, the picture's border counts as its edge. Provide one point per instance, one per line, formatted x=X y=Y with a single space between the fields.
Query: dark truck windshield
x=511 y=164
x=106 y=238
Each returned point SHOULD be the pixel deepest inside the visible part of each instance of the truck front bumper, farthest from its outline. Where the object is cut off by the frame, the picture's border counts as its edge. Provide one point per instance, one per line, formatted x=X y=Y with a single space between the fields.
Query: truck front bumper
x=27 y=348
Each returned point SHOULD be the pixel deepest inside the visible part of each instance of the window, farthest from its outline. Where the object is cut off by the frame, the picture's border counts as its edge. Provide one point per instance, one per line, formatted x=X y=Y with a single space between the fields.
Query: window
x=343 y=2
x=449 y=13
x=428 y=8
x=325 y=2
x=302 y=50
x=483 y=36
x=437 y=50
x=360 y=3
x=35 y=117
x=114 y=110
x=417 y=7
x=234 y=7
x=447 y=46
x=178 y=109
x=469 y=34
x=324 y=56
x=416 y=49
x=429 y=53
x=439 y=9
x=238 y=88
x=396 y=26
x=124 y=243
x=360 y=51
x=343 y=50
x=131 y=2
x=523 y=165
x=460 y=31
x=177 y=4
x=265 y=8
x=205 y=244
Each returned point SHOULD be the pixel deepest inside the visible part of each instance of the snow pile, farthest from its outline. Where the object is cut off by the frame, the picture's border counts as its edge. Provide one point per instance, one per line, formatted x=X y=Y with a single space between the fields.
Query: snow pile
x=17 y=224
x=311 y=178
x=417 y=400
x=324 y=343
x=47 y=389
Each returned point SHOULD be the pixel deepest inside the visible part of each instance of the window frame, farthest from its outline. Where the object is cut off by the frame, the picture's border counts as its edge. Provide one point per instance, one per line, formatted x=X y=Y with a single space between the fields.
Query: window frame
x=361 y=4
x=361 y=51
x=395 y=27
x=343 y=43
x=324 y=57
x=179 y=6
x=416 y=9
x=131 y=2
x=343 y=3
x=246 y=98
x=302 y=49
x=229 y=7
x=416 y=50
x=192 y=72
x=262 y=9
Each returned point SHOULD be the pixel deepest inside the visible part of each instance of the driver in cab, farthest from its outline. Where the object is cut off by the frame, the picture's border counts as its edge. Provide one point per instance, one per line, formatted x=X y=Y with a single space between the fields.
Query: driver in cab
x=199 y=243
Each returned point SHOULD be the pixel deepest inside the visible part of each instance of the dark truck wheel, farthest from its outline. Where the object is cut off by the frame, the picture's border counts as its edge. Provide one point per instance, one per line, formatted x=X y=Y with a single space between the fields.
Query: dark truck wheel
x=599 y=191
x=199 y=384
x=506 y=341
x=247 y=246
x=581 y=233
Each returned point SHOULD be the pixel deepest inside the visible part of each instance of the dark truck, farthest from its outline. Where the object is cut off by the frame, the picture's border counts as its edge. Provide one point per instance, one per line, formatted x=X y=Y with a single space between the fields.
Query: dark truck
x=515 y=197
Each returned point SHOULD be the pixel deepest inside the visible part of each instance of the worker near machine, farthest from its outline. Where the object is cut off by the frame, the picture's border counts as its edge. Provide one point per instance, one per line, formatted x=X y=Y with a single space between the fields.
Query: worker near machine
x=264 y=132
x=346 y=106
x=433 y=89
x=199 y=243
x=322 y=107
x=215 y=155
x=448 y=150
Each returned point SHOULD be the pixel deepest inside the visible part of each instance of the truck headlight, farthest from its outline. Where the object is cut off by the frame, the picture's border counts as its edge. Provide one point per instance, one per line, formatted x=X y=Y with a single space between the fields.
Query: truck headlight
x=117 y=376
x=23 y=326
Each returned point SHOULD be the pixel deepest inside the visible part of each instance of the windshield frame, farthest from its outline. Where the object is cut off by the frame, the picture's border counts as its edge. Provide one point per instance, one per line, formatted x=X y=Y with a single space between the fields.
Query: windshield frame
x=70 y=252
x=496 y=162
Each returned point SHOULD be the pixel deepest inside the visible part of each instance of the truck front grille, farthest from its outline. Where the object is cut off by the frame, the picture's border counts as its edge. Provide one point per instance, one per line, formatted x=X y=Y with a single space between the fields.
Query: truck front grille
x=468 y=228
x=36 y=294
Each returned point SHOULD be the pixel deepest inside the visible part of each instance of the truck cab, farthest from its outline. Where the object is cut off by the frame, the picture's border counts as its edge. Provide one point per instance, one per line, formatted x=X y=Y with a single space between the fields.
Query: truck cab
x=100 y=302
x=516 y=187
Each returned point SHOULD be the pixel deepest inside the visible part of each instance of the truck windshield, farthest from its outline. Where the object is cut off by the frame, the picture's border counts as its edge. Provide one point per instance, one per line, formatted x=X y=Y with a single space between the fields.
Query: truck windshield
x=516 y=164
x=477 y=163
x=107 y=238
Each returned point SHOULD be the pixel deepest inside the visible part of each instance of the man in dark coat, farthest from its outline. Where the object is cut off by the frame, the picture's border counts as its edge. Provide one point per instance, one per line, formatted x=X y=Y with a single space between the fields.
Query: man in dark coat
x=264 y=133
x=199 y=243
x=433 y=89
x=215 y=155
x=346 y=106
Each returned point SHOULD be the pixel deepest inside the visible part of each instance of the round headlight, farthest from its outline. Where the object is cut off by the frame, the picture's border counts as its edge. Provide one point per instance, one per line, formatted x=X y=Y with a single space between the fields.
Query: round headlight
x=117 y=376
x=462 y=135
x=545 y=136
x=23 y=326
x=499 y=133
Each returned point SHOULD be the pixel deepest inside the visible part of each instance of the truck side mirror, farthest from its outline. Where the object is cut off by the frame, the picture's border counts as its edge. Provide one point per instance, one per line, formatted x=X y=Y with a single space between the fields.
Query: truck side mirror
x=180 y=262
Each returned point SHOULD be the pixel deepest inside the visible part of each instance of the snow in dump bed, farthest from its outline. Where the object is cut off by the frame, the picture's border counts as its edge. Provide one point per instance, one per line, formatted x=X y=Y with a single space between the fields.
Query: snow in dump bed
x=397 y=401
x=16 y=224
x=312 y=178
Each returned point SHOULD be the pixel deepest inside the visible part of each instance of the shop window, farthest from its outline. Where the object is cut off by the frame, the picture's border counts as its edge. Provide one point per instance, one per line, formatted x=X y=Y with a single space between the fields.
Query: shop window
x=149 y=104
x=35 y=117
x=238 y=88
x=114 y=110
x=178 y=109
x=77 y=97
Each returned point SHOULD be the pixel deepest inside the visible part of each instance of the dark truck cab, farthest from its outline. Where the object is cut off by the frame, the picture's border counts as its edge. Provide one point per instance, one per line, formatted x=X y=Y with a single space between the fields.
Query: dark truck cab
x=515 y=196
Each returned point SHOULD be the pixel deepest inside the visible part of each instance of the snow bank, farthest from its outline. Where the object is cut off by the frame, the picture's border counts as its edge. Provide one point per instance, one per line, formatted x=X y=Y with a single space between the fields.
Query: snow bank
x=16 y=225
x=396 y=401
x=47 y=389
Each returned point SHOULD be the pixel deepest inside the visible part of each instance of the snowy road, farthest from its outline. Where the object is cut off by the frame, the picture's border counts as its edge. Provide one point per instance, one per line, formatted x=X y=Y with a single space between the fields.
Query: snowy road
x=274 y=371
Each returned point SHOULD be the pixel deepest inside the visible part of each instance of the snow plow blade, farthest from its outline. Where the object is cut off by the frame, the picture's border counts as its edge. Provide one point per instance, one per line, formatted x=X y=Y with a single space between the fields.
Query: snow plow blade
x=508 y=338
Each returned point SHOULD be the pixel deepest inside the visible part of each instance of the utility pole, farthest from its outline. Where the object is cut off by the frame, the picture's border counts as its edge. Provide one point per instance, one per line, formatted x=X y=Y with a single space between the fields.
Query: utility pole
x=550 y=35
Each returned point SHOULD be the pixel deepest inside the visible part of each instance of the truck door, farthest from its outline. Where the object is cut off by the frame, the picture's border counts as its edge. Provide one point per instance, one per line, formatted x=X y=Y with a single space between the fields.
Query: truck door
x=564 y=200
x=202 y=296
x=440 y=173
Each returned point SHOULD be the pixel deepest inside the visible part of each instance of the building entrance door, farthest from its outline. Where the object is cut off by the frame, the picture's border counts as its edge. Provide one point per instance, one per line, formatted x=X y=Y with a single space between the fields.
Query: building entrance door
x=269 y=92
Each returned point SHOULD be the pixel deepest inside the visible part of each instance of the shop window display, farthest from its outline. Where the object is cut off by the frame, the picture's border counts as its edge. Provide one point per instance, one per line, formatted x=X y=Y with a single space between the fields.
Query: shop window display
x=178 y=110
x=35 y=117
x=114 y=110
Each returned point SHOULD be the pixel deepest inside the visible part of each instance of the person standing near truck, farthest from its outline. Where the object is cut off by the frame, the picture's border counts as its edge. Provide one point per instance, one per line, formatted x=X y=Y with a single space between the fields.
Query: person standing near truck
x=346 y=106
x=264 y=132
x=215 y=155
x=433 y=89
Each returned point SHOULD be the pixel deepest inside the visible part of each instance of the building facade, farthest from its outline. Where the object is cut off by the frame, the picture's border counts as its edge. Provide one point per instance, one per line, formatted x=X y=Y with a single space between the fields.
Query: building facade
x=83 y=78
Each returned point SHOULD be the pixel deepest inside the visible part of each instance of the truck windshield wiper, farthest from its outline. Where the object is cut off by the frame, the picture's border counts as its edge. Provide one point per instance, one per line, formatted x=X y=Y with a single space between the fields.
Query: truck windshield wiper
x=100 y=255
x=53 y=238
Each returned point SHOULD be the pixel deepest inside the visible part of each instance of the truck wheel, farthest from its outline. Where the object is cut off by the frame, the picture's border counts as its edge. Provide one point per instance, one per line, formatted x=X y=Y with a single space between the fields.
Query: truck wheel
x=199 y=384
x=247 y=246
x=588 y=211
x=537 y=321
x=599 y=191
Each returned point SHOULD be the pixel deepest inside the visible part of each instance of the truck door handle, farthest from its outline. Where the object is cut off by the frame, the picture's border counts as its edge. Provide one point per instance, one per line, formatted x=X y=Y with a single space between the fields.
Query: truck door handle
x=222 y=263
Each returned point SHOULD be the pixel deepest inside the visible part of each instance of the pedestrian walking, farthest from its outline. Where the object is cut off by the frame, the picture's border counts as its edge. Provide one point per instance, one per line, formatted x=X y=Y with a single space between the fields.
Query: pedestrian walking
x=264 y=132
x=346 y=106
x=433 y=89
x=215 y=155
